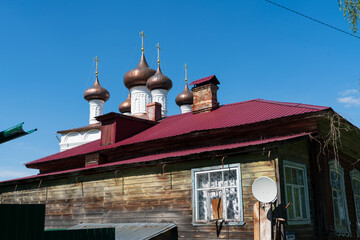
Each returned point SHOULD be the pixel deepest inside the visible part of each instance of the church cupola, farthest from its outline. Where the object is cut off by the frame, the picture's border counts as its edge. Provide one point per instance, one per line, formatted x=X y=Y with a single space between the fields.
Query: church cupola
x=125 y=107
x=135 y=80
x=185 y=99
x=96 y=95
x=159 y=85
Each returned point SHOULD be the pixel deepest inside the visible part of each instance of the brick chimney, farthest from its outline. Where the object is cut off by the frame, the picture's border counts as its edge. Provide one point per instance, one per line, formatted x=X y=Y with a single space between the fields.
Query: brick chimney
x=153 y=111
x=205 y=94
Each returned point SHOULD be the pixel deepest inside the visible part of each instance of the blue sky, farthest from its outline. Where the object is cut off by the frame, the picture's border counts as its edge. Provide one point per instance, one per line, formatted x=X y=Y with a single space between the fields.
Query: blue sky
x=256 y=50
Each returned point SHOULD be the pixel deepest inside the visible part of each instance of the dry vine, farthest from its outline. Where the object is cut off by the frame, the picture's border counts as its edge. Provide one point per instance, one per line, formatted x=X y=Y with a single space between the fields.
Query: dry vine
x=332 y=140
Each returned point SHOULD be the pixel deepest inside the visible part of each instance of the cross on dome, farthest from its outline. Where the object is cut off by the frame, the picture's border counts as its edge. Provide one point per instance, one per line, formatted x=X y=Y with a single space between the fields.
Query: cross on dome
x=142 y=40
x=158 y=47
x=97 y=61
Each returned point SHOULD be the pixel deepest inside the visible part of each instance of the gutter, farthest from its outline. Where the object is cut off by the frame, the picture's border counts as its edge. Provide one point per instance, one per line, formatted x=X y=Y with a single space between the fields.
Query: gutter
x=14 y=132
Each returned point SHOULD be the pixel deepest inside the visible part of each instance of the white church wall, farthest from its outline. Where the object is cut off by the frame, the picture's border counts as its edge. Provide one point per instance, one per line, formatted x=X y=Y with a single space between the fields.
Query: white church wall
x=160 y=96
x=74 y=139
x=140 y=97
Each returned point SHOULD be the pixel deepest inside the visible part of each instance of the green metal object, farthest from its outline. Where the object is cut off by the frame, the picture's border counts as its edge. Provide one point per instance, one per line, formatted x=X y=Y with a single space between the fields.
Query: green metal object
x=14 y=132
x=22 y=221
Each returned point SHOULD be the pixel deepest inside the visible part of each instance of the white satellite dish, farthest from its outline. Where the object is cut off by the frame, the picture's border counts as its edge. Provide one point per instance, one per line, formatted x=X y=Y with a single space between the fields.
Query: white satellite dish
x=264 y=189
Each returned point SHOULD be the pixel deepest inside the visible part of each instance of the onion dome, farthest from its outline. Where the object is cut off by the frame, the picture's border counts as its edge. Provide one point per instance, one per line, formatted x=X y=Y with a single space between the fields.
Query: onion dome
x=186 y=97
x=139 y=75
x=159 y=81
x=96 y=91
x=125 y=107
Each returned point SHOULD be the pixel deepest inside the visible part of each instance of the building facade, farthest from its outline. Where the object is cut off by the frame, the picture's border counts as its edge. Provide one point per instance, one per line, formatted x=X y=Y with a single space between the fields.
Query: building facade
x=146 y=167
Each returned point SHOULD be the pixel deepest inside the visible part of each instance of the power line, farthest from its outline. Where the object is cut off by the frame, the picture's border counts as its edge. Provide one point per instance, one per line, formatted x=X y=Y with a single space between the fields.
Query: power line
x=313 y=19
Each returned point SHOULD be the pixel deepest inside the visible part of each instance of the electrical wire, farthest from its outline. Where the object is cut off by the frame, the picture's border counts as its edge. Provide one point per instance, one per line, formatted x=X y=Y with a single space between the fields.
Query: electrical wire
x=90 y=73
x=313 y=19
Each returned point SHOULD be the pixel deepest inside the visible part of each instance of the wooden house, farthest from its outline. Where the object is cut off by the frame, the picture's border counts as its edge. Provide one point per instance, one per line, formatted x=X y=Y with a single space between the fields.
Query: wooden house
x=173 y=170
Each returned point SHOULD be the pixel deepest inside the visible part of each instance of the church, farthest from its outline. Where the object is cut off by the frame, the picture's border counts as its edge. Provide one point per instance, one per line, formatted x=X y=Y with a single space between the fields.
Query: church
x=142 y=166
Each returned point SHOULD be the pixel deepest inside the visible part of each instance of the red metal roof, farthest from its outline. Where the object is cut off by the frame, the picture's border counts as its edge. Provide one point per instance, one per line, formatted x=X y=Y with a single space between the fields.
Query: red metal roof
x=211 y=78
x=230 y=115
x=181 y=153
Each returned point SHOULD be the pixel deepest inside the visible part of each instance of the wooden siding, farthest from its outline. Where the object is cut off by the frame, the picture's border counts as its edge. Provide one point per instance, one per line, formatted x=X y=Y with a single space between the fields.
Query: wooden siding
x=141 y=195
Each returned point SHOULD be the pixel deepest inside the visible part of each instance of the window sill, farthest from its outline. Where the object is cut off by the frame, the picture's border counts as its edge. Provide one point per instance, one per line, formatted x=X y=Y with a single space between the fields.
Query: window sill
x=241 y=223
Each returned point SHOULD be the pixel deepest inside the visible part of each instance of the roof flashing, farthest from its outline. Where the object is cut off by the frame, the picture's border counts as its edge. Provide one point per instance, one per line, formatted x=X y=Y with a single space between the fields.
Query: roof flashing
x=206 y=80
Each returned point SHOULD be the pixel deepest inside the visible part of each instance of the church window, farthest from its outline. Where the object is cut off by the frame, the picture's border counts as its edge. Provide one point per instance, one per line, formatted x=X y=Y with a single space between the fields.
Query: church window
x=217 y=194
x=296 y=193
x=341 y=215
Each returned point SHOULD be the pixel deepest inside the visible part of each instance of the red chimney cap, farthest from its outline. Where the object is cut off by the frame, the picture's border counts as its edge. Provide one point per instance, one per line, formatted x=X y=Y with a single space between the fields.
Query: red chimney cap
x=203 y=81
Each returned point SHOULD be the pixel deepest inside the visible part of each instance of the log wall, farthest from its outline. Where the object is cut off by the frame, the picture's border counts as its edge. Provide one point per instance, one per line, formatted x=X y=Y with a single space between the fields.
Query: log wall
x=142 y=194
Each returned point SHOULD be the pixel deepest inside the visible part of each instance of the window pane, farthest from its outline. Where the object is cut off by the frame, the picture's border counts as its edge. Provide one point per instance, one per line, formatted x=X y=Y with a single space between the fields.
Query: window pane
x=357 y=201
x=303 y=204
x=293 y=176
x=340 y=196
x=232 y=204
x=289 y=199
x=230 y=178
x=216 y=179
x=336 y=212
x=335 y=180
x=299 y=177
x=288 y=175
x=201 y=205
x=334 y=193
x=216 y=205
x=356 y=187
x=341 y=211
x=202 y=180
x=297 y=202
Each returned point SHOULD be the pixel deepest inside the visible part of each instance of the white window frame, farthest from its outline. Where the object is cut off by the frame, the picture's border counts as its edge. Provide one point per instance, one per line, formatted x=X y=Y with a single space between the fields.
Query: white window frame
x=302 y=167
x=236 y=167
x=335 y=167
x=355 y=175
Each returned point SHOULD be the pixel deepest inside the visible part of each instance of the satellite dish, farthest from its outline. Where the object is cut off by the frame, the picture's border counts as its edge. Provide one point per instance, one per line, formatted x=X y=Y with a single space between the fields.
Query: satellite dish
x=264 y=189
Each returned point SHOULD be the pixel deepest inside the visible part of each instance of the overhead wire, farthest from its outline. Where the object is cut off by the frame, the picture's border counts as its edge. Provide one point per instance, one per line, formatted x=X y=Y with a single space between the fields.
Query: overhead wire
x=90 y=73
x=313 y=19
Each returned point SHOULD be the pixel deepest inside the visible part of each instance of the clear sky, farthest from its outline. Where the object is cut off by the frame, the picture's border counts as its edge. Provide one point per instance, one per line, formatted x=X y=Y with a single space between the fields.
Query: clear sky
x=256 y=50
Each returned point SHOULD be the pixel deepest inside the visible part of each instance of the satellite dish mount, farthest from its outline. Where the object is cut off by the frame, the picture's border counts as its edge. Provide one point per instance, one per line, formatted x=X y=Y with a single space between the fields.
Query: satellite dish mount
x=265 y=191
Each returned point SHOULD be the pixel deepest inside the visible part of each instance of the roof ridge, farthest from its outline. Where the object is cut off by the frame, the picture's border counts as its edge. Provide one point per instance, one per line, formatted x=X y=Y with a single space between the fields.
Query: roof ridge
x=303 y=105
x=229 y=104
x=176 y=115
x=237 y=103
